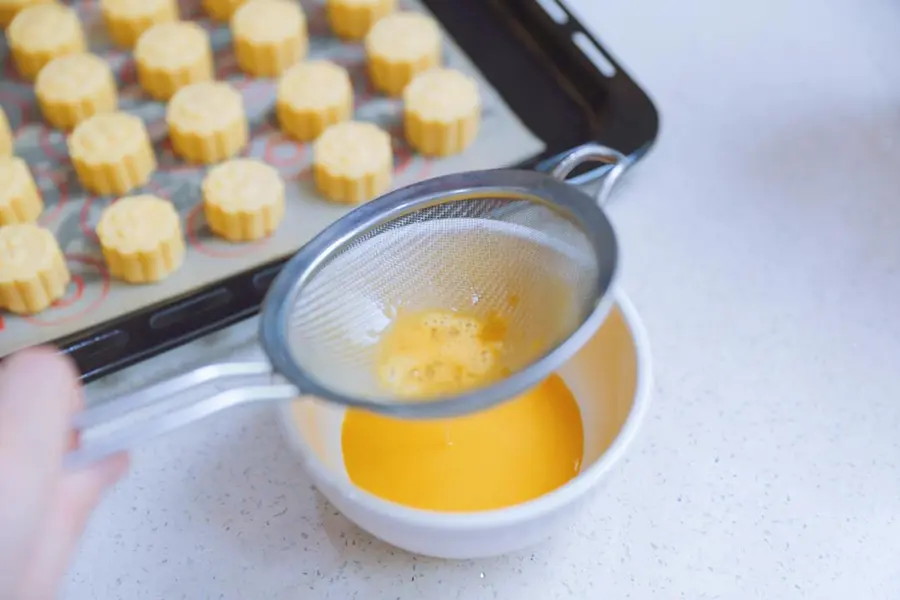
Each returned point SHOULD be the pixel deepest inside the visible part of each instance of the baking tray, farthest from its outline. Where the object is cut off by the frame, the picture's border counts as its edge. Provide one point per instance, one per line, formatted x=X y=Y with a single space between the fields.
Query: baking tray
x=547 y=85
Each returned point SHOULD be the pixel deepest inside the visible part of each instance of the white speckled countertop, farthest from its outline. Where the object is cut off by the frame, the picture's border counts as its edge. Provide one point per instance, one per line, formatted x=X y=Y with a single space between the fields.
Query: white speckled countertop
x=761 y=244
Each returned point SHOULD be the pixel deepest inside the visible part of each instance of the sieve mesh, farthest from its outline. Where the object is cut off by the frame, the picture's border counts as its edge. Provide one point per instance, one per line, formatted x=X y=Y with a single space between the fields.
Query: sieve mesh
x=469 y=242
x=515 y=256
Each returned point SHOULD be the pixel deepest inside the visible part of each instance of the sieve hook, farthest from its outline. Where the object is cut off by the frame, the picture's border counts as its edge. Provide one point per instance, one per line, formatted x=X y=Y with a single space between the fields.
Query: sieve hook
x=594 y=152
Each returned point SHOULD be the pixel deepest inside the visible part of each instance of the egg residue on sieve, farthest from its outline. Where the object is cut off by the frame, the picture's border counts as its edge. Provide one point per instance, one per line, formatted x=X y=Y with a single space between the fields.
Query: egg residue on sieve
x=439 y=352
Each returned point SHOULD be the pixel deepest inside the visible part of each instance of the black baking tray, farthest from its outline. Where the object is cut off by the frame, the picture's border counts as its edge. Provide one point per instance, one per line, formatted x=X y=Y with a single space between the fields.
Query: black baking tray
x=532 y=53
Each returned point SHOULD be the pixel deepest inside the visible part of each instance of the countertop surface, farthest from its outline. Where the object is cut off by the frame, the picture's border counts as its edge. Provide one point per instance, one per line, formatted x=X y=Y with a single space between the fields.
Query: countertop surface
x=761 y=245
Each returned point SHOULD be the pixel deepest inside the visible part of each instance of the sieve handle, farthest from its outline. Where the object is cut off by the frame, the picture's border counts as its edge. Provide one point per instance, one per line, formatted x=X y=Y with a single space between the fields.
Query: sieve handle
x=595 y=153
x=163 y=407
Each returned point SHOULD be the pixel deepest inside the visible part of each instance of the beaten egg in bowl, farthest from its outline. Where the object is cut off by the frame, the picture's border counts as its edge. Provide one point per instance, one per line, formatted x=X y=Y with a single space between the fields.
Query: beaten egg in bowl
x=610 y=380
x=499 y=457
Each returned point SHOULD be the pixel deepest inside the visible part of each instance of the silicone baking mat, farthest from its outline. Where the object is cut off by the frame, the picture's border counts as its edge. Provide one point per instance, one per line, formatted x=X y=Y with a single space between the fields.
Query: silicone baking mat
x=72 y=214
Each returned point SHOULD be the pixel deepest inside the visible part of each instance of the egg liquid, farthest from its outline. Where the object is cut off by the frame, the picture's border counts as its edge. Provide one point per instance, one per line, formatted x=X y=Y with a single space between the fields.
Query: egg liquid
x=499 y=457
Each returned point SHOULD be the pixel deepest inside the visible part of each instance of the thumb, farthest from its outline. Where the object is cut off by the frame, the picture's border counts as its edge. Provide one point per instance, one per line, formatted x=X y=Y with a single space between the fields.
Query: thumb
x=75 y=498
x=37 y=389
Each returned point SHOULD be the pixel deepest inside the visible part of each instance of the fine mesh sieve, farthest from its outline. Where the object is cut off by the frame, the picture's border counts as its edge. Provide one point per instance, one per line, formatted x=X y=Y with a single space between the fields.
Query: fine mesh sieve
x=521 y=246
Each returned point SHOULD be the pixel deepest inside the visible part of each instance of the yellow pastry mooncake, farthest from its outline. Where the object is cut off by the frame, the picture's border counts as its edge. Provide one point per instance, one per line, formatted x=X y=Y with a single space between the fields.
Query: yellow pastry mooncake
x=20 y=199
x=10 y=8
x=441 y=112
x=206 y=122
x=33 y=271
x=243 y=199
x=7 y=140
x=126 y=20
x=40 y=33
x=352 y=19
x=111 y=153
x=141 y=239
x=399 y=47
x=74 y=87
x=353 y=162
x=170 y=56
x=312 y=96
x=269 y=36
x=221 y=10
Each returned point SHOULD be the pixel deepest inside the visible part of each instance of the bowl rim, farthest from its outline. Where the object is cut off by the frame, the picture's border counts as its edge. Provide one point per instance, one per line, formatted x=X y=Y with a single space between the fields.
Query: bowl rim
x=550 y=502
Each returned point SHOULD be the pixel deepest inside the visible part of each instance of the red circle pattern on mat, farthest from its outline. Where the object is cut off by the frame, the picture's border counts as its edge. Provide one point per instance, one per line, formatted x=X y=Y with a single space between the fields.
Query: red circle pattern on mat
x=407 y=162
x=60 y=181
x=363 y=90
x=11 y=101
x=282 y=152
x=170 y=163
x=316 y=20
x=253 y=91
x=126 y=75
x=191 y=10
x=10 y=72
x=50 y=147
x=84 y=216
x=159 y=191
x=75 y=296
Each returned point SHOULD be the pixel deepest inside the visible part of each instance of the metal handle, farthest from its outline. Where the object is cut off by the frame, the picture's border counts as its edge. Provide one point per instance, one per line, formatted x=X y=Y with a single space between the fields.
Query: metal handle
x=162 y=408
x=594 y=152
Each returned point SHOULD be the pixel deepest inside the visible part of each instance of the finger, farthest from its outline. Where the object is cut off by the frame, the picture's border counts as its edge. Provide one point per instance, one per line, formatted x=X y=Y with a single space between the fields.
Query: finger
x=38 y=394
x=74 y=438
x=77 y=495
x=36 y=388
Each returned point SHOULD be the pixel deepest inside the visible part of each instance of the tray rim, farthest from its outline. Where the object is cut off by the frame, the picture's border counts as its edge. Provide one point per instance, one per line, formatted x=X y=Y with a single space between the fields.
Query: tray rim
x=114 y=334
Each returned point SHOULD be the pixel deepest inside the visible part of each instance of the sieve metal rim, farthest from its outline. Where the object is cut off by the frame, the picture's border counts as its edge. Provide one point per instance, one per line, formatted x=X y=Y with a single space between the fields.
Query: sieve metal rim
x=556 y=195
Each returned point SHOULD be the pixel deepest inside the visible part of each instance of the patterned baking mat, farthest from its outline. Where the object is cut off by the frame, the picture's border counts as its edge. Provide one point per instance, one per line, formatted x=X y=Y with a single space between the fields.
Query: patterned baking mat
x=72 y=214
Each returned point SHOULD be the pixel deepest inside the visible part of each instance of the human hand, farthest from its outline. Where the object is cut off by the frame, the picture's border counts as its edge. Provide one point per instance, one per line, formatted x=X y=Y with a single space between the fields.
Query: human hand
x=43 y=509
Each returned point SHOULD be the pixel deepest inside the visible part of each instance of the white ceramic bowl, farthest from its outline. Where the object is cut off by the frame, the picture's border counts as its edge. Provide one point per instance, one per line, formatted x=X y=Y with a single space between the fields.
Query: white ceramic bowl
x=610 y=378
